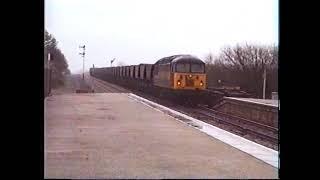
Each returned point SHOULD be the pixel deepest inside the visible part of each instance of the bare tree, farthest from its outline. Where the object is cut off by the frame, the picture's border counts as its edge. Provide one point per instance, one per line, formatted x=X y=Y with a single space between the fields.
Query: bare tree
x=209 y=59
x=244 y=65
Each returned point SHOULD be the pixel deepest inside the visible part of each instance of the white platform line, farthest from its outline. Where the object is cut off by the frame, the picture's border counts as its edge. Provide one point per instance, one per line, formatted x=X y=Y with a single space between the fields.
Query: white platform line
x=263 y=153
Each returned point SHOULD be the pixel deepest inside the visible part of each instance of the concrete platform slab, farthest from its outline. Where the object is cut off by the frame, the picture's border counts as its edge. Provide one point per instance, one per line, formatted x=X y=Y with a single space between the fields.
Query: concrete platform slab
x=267 y=102
x=113 y=136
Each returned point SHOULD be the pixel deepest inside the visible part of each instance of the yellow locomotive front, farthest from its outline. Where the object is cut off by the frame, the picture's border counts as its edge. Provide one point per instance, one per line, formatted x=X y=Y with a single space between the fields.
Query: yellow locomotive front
x=188 y=74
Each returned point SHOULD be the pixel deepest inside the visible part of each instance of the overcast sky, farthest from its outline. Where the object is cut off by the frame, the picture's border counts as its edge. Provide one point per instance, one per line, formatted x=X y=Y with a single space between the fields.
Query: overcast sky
x=143 y=31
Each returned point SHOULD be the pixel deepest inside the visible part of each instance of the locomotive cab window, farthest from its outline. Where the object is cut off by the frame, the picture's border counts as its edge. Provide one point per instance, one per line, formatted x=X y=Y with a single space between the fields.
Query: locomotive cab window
x=183 y=67
x=197 y=68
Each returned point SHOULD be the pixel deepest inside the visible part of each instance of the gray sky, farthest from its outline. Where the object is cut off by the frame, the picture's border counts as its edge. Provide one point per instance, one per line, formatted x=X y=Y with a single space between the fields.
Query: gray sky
x=143 y=31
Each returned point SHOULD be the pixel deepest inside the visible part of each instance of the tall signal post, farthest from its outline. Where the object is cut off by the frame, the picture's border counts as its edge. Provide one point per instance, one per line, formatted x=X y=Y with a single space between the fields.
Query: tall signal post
x=112 y=61
x=83 y=54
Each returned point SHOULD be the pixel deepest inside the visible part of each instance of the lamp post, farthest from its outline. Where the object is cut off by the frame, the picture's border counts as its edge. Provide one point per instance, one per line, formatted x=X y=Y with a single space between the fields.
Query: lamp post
x=49 y=74
x=264 y=82
x=83 y=54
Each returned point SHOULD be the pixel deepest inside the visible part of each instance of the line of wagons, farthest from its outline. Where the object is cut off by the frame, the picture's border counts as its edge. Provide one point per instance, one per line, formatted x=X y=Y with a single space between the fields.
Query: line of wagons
x=174 y=76
x=141 y=71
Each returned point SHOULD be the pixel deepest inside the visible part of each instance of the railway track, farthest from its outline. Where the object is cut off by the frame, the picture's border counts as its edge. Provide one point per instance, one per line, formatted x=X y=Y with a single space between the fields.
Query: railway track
x=269 y=130
x=257 y=132
x=247 y=127
x=103 y=86
x=110 y=87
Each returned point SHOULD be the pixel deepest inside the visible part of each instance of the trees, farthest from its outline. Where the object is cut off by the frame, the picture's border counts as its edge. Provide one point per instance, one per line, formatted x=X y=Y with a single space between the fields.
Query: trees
x=58 y=62
x=209 y=59
x=121 y=63
x=243 y=65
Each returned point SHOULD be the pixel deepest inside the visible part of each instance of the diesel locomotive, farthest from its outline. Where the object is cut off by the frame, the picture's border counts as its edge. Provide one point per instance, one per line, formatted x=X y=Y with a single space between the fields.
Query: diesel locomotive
x=176 y=76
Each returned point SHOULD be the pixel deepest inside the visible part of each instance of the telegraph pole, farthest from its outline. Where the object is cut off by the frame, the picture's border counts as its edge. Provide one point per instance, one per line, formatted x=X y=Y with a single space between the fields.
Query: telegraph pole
x=83 y=54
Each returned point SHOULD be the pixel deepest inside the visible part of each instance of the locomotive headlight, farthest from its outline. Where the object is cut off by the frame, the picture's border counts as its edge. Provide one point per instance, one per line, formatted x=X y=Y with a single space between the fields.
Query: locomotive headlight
x=190 y=76
x=179 y=82
x=201 y=83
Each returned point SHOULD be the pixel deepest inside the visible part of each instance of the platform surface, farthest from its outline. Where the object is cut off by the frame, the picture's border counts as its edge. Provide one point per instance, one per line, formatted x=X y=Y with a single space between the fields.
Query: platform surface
x=267 y=102
x=108 y=135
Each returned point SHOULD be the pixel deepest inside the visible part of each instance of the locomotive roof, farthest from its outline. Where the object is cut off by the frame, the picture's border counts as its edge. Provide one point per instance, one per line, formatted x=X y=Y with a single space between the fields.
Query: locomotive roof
x=179 y=58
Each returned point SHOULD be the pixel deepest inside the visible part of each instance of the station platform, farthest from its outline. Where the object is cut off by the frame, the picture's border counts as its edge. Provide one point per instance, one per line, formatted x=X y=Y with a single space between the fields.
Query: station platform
x=113 y=135
x=264 y=111
x=266 y=102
